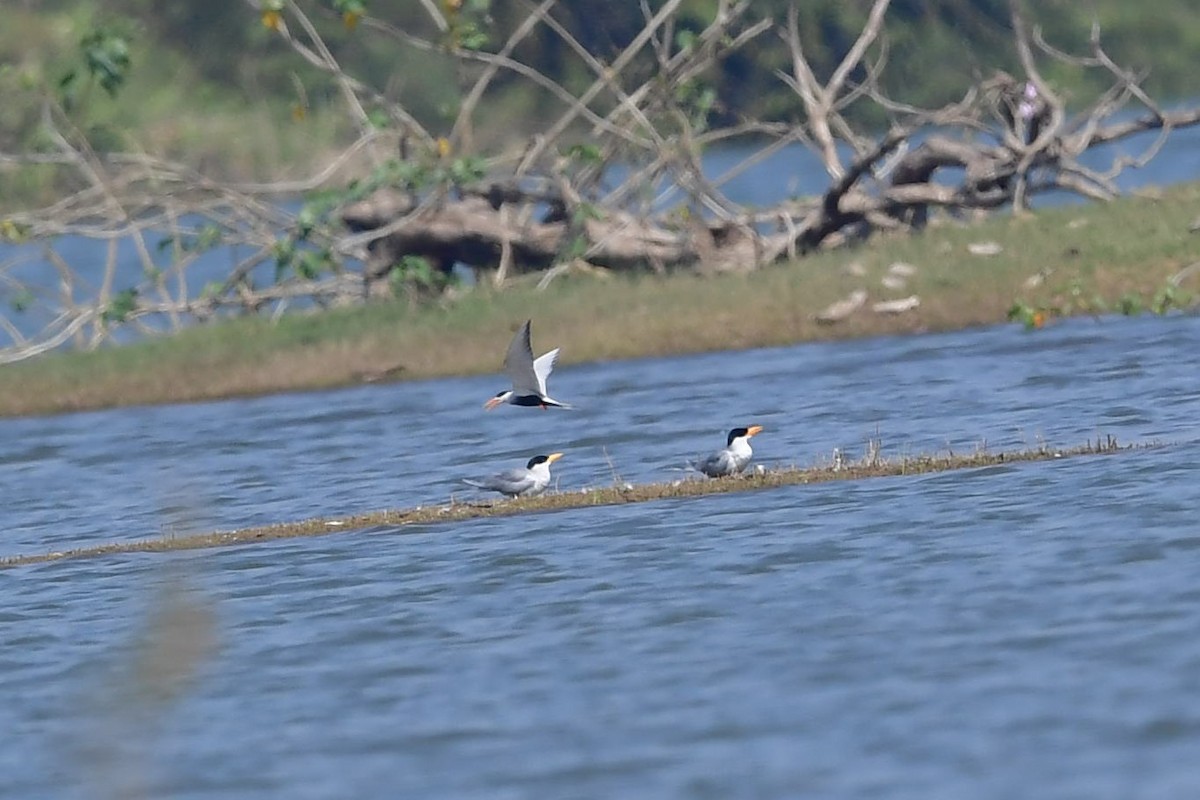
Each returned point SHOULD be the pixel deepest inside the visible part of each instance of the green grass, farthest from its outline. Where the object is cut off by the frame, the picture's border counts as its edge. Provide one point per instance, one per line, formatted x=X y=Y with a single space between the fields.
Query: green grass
x=1092 y=258
x=871 y=466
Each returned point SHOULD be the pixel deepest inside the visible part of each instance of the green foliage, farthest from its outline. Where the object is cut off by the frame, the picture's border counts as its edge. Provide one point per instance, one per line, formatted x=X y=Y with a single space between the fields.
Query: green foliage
x=356 y=7
x=584 y=155
x=13 y=232
x=1170 y=297
x=1029 y=316
x=312 y=263
x=1073 y=300
x=584 y=212
x=472 y=38
x=1130 y=304
x=284 y=251
x=104 y=56
x=697 y=101
x=417 y=175
x=122 y=305
x=311 y=214
x=577 y=247
x=206 y=238
x=1076 y=300
x=467 y=24
x=378 y=118
x=301 y=253
x=413 y=269
x=305 y=262
x=412 y=175
x=21 y=300
x=416 y=278
x=466 y=170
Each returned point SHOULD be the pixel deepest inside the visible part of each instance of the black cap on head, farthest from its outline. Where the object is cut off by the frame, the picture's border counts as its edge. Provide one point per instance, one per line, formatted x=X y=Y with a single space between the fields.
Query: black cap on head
x=736 y=433
x=533 y=462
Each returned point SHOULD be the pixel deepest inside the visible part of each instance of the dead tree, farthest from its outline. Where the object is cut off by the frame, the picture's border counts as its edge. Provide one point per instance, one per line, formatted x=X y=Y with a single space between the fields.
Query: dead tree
x=617 y=176
x=1009 y=138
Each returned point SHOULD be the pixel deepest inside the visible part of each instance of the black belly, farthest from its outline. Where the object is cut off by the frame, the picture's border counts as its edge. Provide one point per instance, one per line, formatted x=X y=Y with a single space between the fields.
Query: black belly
x=527 y=400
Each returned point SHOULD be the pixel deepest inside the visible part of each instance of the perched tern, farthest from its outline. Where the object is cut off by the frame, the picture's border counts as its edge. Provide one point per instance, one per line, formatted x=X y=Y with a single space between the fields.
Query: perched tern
x=734 y=458
x=528 y=375
x=528 y=482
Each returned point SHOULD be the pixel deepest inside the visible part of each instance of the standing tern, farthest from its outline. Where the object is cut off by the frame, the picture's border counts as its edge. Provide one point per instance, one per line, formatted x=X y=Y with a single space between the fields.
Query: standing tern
x=528 y=375
x=528 y=482
x=734 y=458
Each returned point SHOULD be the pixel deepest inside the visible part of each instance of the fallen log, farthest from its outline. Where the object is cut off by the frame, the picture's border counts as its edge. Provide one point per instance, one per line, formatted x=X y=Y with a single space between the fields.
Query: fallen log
x=474 y=232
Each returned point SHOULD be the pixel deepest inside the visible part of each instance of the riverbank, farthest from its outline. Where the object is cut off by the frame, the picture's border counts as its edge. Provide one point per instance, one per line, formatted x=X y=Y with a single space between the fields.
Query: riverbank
x=1096 y=259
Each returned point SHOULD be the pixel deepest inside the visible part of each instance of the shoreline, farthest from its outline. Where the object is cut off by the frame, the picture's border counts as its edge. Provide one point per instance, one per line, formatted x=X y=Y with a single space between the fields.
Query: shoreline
x=1116 y=258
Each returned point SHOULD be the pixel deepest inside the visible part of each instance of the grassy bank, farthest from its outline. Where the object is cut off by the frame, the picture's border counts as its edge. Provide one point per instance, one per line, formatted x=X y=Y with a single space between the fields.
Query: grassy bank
x=424 y=516
x=1059 y=262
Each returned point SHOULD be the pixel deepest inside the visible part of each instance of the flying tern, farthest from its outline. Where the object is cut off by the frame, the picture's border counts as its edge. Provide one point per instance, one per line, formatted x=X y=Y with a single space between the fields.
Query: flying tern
x=734 y=458
x=528 y=375
x=530 y=481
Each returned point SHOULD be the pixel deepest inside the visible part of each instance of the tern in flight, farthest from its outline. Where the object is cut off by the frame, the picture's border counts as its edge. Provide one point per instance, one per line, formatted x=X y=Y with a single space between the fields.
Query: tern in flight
x=734 y=458
x=528 y=375
x=528 y=482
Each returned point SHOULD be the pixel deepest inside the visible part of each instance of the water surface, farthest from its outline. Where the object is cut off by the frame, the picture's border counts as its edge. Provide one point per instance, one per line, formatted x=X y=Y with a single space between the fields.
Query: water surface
x=1014 y=630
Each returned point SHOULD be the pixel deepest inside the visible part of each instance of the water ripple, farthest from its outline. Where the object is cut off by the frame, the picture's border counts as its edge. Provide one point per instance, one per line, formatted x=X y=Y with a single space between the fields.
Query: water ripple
x=982 y=633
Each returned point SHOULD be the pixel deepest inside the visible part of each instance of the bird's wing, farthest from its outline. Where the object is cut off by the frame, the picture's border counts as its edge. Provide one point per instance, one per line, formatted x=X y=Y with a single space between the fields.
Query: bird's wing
x=519 y=364
x=543 y=365
x=718 y=463
x=511 y=481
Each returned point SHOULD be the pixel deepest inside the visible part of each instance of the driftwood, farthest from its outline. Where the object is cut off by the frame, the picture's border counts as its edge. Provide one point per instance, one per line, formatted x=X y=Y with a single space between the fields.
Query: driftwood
x=842 y=309
x=899 y=306
x=472 y=231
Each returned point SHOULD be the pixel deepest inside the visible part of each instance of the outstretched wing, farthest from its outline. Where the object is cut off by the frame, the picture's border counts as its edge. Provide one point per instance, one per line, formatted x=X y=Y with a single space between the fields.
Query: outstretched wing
x=519 y=364
x=542 y=367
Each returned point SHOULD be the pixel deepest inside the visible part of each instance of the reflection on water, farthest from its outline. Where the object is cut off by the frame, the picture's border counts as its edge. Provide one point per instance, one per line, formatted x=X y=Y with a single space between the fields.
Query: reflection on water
x=965 y=634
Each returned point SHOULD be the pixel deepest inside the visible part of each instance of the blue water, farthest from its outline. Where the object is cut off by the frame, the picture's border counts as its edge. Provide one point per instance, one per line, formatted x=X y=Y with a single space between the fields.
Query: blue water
x=1023 y=630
